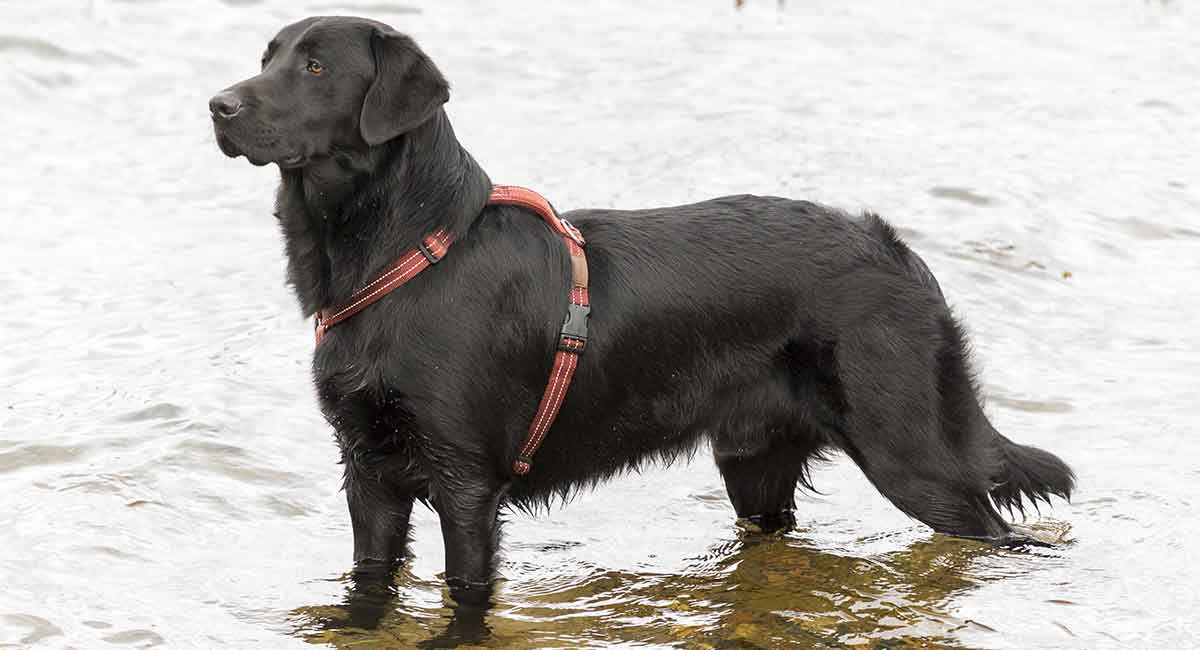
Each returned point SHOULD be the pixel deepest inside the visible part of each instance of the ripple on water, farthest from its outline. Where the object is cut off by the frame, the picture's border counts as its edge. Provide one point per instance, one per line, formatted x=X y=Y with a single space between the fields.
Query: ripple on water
x=26 y=629
x=961 y=194
x=228 y=460
x=364 y=8
x=1146 y=229
x=1029 y=405
x=140 y=638
x=160 y=411
x=51 y=57
x=282 y=505
x=38 y=455
x=996 y=254
x=108 y=553
x=36 y=46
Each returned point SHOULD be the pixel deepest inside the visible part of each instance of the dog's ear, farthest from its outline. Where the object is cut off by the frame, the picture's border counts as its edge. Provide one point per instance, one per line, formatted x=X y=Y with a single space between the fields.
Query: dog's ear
x=408 y=89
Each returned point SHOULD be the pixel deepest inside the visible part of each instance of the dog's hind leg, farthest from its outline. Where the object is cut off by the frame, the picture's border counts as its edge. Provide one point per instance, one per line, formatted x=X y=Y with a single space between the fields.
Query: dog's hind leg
x=910 y=430
x=765 y=433
x=761 y=475
x=760 y=487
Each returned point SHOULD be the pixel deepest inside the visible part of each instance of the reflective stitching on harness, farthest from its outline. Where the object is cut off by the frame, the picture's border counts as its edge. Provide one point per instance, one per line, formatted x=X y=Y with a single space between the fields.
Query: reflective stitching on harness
x=558 y=392
x=543 y=411
x=414 y=263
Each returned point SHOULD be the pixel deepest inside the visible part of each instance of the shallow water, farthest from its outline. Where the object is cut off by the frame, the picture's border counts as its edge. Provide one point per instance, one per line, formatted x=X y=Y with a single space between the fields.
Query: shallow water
x=165 y=478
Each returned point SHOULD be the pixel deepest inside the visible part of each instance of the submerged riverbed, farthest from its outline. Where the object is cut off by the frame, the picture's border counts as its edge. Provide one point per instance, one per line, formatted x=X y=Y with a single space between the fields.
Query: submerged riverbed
x=167 y=480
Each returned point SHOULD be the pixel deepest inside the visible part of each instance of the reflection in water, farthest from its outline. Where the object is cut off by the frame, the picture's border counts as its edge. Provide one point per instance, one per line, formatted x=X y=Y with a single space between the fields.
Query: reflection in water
x=752 y=592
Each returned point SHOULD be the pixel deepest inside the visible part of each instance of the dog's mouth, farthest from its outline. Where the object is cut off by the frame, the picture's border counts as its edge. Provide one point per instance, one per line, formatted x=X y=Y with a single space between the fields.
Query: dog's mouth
x=259 y=153
x=292 y=161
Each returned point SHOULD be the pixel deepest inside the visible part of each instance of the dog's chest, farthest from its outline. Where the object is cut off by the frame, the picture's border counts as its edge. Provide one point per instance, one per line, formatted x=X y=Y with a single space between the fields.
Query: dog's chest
x=365 y=412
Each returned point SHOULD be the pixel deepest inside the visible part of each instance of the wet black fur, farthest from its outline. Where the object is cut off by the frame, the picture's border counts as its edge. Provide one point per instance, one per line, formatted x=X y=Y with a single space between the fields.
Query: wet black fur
x=775 y=330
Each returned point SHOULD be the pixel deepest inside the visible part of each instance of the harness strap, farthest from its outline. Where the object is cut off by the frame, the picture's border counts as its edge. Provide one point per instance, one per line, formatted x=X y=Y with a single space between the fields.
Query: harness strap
x=431 y=250
x=572 y=338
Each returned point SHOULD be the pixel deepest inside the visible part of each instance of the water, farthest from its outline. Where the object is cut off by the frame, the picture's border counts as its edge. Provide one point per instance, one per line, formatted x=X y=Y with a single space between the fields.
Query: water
x=165 y=478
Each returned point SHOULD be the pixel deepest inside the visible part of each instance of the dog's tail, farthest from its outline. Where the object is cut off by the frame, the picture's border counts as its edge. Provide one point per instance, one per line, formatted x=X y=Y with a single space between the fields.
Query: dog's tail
x=1028 y=472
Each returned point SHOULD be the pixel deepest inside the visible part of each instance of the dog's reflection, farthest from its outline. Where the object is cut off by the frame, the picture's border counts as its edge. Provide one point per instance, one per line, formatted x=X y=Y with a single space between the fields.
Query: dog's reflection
x=752 y=591
x=388 y=606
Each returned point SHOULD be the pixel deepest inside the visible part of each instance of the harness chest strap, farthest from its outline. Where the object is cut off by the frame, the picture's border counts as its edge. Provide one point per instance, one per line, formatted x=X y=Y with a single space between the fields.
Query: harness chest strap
x=431 y=250
x=572 y=337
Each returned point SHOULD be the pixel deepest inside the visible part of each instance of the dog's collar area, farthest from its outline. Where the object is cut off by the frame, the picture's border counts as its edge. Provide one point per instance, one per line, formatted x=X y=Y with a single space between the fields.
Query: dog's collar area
x=572 y=337
x=429 y=252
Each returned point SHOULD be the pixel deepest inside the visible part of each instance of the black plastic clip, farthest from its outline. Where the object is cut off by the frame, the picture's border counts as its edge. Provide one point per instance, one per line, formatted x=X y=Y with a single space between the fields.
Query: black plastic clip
x=574 y=334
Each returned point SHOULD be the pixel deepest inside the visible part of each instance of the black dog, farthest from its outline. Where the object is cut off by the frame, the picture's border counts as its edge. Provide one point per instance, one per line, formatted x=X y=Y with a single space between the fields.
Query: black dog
x=774 y=329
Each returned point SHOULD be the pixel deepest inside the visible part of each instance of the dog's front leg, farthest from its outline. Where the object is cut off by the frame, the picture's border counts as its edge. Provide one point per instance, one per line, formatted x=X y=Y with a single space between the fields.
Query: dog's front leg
x=380 y=524
x=380 y=496
x=379 y=516
x=468 y=506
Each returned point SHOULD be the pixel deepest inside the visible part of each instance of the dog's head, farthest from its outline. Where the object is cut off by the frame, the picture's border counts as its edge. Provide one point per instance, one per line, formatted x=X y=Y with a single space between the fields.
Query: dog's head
x=328 y=84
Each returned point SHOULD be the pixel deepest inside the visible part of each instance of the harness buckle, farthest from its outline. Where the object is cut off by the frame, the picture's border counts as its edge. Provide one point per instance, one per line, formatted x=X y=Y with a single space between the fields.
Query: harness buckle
x=573 y=232
x=574 y=333
x=428 y=254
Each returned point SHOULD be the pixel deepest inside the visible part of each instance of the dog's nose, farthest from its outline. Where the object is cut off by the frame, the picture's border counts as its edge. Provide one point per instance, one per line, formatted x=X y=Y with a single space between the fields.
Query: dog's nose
x=225 y=104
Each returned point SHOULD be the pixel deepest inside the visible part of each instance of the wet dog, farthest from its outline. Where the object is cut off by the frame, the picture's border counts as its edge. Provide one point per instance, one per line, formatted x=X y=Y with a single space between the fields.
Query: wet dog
x=775 y=330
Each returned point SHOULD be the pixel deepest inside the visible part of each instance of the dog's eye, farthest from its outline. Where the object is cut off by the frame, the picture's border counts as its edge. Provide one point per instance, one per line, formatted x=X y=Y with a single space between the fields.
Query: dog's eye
x=314 y=66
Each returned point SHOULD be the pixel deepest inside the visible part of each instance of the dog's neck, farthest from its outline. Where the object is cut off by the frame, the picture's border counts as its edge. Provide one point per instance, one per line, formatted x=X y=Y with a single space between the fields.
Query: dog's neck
x=346 y=217
x=329 y=181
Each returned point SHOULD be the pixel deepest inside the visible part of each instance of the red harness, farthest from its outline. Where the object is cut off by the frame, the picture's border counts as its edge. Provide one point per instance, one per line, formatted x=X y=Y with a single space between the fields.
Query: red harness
x=572 y=337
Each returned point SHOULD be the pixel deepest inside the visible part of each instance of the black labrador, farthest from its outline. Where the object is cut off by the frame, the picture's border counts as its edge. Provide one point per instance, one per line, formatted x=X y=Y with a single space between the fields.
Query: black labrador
x=775 y=330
